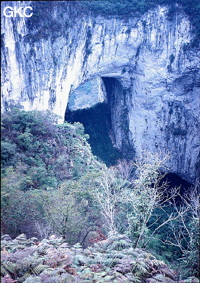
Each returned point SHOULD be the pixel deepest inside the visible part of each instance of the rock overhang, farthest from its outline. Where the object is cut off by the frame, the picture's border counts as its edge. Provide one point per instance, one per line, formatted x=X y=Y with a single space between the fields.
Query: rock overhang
x=150 y=61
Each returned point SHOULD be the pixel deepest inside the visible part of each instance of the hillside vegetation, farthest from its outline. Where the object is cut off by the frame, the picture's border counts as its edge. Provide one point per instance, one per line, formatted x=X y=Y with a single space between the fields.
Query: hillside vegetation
x=53 y=184
x=52 y=260
x=41 y=163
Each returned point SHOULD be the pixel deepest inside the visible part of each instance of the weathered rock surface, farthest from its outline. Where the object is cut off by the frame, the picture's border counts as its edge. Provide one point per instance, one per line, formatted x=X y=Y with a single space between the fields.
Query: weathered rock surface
x=143 y=67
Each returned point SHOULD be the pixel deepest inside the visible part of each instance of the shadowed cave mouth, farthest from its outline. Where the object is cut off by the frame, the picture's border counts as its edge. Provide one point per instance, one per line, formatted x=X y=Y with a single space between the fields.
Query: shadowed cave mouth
x=97 y=122
x=175 y=181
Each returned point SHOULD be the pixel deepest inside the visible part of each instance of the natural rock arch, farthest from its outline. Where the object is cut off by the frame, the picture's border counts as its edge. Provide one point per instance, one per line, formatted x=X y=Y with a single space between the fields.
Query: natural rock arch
x=158 y=74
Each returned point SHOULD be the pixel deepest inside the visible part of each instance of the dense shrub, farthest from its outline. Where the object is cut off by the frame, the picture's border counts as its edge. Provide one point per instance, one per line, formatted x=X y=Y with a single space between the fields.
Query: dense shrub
x=38 y=157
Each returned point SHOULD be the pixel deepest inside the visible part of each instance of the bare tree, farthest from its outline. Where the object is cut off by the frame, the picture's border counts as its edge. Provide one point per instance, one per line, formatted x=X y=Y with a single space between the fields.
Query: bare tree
x=125 y=169
x=188 y=214
x=146 y=193
x=43 y=230
x=108 y=194
x=182 y=230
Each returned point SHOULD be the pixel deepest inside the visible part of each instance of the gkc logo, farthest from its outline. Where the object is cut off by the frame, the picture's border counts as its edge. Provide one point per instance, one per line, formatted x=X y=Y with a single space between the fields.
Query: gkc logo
x=22 y=12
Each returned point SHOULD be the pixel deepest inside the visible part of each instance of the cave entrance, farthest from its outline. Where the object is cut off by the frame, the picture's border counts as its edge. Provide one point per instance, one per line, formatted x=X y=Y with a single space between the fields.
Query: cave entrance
x=106 y=123
x=118 y=102
x=97 y=124
x=175 y=181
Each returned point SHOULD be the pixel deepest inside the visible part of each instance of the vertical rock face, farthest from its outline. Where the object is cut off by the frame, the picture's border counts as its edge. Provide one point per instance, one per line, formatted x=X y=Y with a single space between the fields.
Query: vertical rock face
x=143 y=67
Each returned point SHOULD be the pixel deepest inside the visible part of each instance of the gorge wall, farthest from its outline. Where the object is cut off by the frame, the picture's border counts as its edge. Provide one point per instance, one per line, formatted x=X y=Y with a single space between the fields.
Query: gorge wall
x=143 y=67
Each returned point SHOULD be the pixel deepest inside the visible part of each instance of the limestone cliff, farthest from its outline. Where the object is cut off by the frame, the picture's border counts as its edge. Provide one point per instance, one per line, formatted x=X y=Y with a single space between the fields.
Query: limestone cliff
x=142 y=66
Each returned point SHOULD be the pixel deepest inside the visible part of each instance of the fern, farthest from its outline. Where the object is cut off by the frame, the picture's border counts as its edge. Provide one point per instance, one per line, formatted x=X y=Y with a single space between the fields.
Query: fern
x=25 y=276
x=27 y=265
x=33 y=279
x=9 y=267
x=19 y=255
x=140 y=269
x=64 y=264
x=3 y=270
x=38 y=269
x=7 y=279
x=125 y=265
x=56 y=275
x=136 y=279
x=42 y=250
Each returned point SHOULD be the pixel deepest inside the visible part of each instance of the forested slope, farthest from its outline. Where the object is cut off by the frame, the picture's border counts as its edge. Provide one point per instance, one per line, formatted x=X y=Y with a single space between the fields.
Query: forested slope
x=52 y=184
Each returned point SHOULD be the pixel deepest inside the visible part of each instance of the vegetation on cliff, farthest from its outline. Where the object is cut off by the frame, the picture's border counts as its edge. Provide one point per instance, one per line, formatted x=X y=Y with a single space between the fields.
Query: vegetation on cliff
x=41 y=24
x=127 y=8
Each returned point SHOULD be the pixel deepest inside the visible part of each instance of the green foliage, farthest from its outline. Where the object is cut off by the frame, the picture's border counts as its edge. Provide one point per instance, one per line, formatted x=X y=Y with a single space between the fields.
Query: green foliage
x=190 y=264
x=7 y=152
x=127 y=8
x=62 y=210
x=33 y=140
x=178 y=240
x=157 y=246
x=51 y=183
x=54 y=261
x=38 y=156
x=120 y=7
x=43 y=24
x=143 y=196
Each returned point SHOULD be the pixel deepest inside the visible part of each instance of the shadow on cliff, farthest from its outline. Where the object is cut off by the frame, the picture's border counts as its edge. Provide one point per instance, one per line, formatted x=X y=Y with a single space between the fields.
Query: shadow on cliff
x=97 y=124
